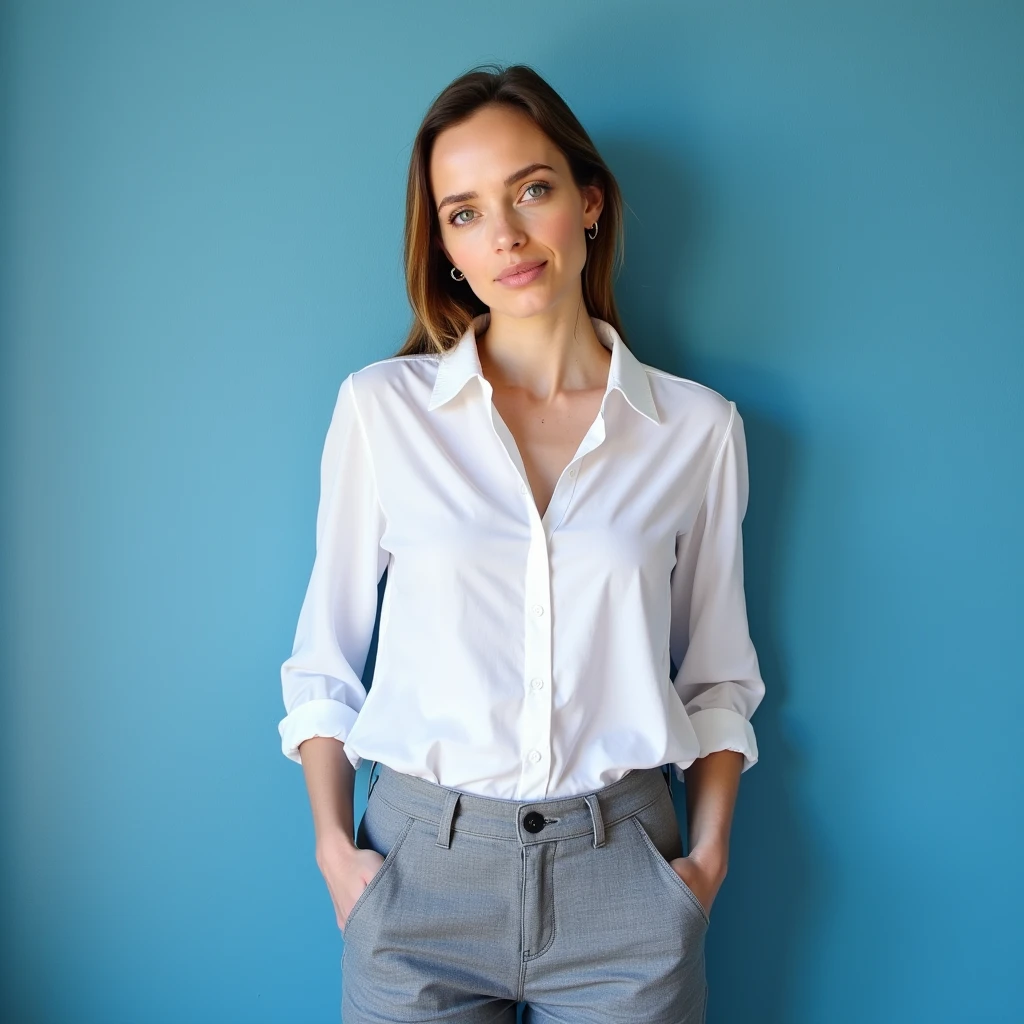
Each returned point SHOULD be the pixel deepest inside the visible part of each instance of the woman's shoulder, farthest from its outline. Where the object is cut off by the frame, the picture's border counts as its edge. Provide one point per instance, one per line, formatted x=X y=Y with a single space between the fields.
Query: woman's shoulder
x=395 y=378
x=681 y=396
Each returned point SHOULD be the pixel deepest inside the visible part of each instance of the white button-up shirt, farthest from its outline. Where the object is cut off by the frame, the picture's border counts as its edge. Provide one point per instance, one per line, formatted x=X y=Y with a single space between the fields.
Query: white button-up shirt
x=523 y=656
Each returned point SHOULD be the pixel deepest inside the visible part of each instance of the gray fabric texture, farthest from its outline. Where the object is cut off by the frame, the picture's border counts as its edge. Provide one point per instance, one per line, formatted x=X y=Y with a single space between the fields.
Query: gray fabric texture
x=583 y=919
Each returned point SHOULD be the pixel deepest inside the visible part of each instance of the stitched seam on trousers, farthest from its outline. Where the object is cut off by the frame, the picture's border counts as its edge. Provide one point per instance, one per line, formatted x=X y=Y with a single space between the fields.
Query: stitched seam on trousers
x=522 y=925
x=683 y=888
x=381 y=871
x=554 y=907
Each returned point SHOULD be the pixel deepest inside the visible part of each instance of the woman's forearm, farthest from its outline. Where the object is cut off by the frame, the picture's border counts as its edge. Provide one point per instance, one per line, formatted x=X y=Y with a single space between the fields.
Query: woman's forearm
x=712 y=783
x=330 y=779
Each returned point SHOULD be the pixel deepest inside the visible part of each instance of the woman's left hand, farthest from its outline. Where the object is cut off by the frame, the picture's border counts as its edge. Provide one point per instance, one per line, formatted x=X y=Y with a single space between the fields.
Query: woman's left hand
x=703 y=878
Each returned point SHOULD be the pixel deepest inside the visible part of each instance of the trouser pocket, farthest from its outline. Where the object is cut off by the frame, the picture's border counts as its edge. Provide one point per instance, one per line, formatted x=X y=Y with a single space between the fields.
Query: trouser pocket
x=657 y=828
x=383 y=829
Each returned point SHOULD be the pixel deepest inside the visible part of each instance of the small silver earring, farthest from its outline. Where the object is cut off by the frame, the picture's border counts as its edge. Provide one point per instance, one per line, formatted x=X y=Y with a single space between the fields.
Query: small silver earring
x=454 y=271
x=594 y=235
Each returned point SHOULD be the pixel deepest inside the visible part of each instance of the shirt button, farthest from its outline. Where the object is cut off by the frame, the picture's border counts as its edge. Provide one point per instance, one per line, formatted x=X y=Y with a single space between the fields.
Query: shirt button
x=538 y=609
x=572 y=472
x=536 y=683
x=534 y=755
x=522 y=488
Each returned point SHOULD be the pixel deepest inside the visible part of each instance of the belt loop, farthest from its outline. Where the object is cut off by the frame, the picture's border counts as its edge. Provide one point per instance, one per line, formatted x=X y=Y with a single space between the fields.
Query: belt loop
x=595 y=814
x=371 y=781
x=444 y=827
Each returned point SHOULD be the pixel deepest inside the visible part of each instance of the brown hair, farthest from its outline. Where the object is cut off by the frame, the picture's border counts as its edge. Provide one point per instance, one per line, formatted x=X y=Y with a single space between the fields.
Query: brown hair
x=442 y=307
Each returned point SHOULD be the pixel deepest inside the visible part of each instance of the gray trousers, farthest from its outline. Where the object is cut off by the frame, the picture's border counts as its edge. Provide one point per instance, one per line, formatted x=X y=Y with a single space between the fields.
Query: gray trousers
x=567 y=905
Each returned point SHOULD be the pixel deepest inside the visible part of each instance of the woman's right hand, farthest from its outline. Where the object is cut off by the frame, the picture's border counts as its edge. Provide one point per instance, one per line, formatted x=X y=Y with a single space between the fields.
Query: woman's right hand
x=347 y=870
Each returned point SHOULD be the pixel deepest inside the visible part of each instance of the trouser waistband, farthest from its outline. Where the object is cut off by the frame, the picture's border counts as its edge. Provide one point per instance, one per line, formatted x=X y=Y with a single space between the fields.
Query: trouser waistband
x=518 y=821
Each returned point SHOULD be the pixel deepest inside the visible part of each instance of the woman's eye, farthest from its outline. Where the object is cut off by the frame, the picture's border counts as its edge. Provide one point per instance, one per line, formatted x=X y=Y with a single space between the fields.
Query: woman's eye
x=458 y=213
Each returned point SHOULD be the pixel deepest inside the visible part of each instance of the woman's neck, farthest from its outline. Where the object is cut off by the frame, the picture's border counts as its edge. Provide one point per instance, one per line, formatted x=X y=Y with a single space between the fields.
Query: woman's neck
x=544 y=355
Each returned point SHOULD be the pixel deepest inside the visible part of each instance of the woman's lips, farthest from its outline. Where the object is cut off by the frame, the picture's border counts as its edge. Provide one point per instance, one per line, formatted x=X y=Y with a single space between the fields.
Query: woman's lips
x=518 y=280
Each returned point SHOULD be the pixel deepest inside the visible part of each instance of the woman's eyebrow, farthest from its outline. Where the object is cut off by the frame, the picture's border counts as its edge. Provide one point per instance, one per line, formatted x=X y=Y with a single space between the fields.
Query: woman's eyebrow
x=510 y=180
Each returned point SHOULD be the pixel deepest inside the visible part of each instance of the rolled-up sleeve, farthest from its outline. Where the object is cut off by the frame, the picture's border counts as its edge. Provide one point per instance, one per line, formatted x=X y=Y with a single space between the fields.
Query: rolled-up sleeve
x=322 y=680
x=718 y=678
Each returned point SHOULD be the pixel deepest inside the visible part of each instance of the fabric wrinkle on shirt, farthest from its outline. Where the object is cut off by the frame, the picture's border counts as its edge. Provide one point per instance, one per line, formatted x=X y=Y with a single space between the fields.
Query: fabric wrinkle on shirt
x=523 y=656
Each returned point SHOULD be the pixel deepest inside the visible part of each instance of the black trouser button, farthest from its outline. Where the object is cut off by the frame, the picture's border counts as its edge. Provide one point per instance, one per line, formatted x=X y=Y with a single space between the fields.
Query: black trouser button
x=533 y=822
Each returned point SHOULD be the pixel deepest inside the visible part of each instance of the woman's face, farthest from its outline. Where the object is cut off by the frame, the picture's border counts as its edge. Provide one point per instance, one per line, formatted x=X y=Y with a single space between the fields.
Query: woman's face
x=541 y=215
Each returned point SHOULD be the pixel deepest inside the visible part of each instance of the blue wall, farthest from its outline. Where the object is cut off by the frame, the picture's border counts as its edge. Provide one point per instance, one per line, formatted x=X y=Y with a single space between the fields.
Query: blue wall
x=202 y=208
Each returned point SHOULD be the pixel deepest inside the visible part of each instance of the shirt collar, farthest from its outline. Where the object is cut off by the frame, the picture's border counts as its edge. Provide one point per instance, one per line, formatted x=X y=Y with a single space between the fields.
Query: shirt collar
x=461 y=363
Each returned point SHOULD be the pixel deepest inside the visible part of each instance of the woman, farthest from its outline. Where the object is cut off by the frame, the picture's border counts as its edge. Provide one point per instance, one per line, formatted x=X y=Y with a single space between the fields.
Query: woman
x=563 y=618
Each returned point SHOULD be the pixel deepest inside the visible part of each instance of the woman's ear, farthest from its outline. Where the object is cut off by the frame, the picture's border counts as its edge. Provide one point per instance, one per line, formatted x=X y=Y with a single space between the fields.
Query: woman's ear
x=593 y=203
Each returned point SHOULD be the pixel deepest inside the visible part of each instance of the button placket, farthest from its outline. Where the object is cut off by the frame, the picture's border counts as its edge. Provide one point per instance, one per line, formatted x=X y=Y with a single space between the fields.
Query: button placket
x=566 y=486
x=536 y=765
x=535 y=774
x=536 y=738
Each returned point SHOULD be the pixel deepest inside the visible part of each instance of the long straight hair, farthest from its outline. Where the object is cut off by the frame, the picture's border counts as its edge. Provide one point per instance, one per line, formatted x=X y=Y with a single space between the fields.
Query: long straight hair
x=444 y=308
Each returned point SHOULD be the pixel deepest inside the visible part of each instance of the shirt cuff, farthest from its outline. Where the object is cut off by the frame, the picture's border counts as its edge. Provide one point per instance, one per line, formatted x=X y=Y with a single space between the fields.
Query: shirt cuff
x=724 y=729
x=324 y=717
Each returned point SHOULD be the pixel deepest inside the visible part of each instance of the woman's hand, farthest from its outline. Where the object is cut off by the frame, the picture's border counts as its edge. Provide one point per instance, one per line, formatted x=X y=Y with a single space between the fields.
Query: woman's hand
x=704 y=876
x=347 y=870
